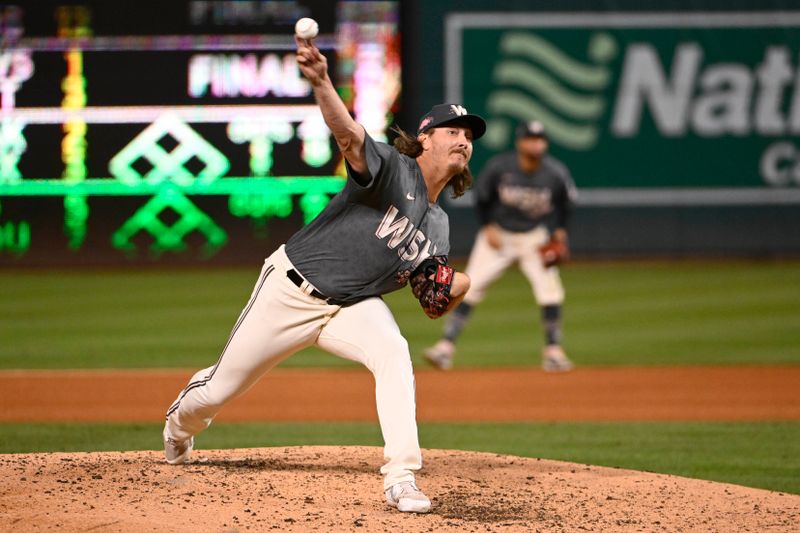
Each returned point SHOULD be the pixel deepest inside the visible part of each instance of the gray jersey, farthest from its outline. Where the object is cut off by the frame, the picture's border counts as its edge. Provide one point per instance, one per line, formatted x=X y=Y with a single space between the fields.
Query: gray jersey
x=374 y=233
x=519 y=201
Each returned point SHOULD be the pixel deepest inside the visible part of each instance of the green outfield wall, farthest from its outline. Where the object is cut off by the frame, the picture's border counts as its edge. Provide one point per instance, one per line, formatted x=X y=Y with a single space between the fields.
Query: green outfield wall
x=681 y=125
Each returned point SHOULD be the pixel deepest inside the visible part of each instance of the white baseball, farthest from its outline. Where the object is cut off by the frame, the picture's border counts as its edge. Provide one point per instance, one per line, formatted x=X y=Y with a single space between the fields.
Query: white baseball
x=306 y=28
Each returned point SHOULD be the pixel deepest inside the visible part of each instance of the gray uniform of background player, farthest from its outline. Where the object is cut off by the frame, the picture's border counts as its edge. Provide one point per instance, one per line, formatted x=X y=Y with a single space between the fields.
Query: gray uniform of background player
x=526 y=208
x=363 y=244
x=518 y=201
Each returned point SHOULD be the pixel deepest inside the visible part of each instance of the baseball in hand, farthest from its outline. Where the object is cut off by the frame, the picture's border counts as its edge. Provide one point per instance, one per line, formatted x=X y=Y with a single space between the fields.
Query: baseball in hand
x=306 y=28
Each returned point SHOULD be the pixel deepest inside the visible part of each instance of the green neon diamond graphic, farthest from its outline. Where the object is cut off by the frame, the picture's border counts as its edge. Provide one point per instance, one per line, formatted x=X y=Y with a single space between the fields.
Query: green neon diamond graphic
x=169 y=167
x=170 y=238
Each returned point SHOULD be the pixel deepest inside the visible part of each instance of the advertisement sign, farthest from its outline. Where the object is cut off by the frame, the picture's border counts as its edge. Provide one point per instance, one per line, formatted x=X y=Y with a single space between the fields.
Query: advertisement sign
x=700 y=108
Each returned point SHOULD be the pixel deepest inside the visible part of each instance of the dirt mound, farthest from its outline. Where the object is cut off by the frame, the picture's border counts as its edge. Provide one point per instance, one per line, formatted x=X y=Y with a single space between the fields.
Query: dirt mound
x=339 y=488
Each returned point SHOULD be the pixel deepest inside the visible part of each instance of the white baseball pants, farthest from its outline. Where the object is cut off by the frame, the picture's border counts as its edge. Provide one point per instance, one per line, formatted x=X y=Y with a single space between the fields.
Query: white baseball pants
x=487 y=264
x=281 y=319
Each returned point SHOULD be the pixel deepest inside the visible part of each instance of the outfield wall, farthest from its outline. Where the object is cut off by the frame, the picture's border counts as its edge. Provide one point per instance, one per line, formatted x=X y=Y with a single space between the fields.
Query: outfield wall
x=192 y=138
x=681 y=126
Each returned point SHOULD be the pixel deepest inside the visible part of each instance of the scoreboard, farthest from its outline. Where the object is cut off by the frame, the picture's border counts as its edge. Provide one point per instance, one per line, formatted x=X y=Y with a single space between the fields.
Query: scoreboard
x=177 y=131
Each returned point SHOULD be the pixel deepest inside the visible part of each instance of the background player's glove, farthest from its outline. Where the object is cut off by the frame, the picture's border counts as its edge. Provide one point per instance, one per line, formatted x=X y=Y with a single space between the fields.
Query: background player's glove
x=431 y=283
x=554 y=253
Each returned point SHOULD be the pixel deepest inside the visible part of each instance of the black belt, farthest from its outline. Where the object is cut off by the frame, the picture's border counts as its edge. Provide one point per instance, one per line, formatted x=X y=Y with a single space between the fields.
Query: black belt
x=298 y=280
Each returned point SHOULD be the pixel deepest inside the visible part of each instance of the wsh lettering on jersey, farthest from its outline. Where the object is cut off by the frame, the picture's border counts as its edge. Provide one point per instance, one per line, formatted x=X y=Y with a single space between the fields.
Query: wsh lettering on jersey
x=411 y=245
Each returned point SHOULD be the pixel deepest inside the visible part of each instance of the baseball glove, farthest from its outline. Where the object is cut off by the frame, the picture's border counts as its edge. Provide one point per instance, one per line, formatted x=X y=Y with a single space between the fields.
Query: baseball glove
x=553 y=253
x=431 y=283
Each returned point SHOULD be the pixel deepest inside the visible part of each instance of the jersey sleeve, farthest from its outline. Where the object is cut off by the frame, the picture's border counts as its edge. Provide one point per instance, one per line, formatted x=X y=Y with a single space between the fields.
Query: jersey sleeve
x=379 y=156
x=486 y=191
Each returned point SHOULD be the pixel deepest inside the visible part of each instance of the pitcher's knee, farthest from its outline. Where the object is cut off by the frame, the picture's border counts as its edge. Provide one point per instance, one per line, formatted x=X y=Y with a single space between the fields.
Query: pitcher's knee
x=392 y=354
x=395 y=347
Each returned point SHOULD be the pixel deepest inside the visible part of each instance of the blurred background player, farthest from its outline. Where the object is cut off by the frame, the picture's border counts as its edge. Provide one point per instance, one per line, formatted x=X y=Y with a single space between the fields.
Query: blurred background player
x=524 y=199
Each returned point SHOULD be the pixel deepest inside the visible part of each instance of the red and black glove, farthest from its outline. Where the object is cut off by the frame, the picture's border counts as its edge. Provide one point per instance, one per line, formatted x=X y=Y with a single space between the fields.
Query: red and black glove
x=554 y=253
x=431 y=283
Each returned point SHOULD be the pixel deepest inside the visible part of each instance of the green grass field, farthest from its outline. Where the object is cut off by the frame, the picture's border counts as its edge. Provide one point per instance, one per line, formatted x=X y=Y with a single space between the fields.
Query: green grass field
x=757 y=454
x=648 y=313
x=616 y=314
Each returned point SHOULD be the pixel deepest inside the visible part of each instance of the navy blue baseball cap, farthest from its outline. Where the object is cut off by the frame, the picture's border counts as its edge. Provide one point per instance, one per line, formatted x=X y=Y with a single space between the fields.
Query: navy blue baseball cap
x=442 y=114
x=532 y=128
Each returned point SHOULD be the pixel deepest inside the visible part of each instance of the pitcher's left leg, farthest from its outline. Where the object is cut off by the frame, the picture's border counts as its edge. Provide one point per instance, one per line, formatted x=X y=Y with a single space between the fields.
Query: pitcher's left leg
x=367 y=333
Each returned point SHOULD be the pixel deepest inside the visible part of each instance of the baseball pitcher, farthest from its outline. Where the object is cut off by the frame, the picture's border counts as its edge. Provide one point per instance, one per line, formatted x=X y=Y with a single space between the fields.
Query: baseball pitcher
x=383 y=231
x=524 y=199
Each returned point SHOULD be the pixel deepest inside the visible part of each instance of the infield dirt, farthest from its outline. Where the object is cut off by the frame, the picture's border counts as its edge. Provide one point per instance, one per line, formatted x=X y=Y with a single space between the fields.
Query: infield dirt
x=499 y=394
x=340 y=488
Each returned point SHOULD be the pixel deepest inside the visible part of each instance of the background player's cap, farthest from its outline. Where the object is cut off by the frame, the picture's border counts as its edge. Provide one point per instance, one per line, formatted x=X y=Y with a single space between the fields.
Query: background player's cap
x=532 y=128
x=442 y=114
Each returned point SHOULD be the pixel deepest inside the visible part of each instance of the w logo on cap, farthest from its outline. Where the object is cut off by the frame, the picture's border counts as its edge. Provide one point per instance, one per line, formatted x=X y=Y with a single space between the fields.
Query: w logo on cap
x=441 y=114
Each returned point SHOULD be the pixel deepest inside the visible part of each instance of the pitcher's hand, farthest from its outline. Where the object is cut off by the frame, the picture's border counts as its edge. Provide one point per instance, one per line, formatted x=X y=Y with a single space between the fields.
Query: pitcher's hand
x=310 y=60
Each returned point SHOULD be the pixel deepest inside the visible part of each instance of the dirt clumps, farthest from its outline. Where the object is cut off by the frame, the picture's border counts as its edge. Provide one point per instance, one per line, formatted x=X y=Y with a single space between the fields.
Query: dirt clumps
x=340 y=489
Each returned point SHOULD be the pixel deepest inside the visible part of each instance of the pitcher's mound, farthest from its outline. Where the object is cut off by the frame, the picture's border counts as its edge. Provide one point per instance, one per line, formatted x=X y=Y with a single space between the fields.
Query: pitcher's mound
x=334 y=488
